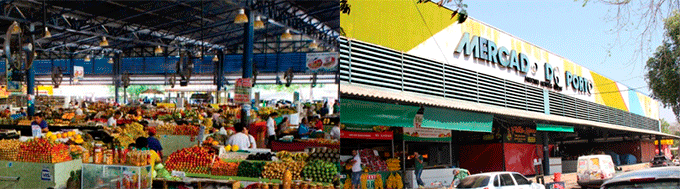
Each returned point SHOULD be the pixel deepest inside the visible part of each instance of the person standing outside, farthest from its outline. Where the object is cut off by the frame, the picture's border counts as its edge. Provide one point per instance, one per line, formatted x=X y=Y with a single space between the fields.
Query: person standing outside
x=271 y=128
x=356 y=170
x=419 y=168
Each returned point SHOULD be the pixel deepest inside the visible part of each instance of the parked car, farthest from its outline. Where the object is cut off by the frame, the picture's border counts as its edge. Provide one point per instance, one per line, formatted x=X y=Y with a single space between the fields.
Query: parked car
x=659 y=177
x=593 y=170
x=498 y=180
x=661 y=161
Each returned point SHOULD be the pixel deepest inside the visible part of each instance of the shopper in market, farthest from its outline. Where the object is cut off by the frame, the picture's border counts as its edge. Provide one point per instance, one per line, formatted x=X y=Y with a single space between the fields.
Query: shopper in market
x=271 y=128
x=38 y=119
x=79 y=111
x=240 y=138
x=419 y=168
x=142 y=143
x=356 y=170
x=154 y=144
x=22 y=112
x=281 y=127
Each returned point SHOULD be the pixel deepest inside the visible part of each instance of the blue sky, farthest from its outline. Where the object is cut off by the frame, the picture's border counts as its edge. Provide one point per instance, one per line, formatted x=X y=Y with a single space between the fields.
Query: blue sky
x=581 y=34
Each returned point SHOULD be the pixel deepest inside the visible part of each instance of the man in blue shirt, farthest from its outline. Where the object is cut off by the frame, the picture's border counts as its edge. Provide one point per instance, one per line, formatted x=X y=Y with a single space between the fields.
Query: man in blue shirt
x=38 y=120
x=154 y=144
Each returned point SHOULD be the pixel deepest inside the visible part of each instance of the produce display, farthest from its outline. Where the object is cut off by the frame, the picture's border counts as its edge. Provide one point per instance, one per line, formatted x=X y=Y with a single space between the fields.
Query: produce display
x=320 y=171
x=394 y=181
x=250 y=169
x=261 y=156
x=393 y=164
x=41 y=150
x=191 y=160
x=223 y=168
x=324 y=154
x=372 y=162
x=275 y=170
x=9 y=148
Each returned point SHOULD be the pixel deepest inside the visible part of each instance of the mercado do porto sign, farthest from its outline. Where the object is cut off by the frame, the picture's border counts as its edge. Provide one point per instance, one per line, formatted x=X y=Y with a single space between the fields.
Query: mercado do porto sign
x=487 y=50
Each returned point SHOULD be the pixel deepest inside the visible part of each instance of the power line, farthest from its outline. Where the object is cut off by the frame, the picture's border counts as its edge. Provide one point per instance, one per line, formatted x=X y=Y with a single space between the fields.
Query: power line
x=431 y=34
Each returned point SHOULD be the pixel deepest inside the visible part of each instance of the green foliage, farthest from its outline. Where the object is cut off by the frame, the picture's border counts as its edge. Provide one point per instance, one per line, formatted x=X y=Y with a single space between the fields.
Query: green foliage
x=663 y=72
x=135 y=90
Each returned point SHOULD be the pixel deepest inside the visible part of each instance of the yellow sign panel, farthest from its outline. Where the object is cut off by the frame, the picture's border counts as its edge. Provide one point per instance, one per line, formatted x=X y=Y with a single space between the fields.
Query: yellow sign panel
x=45 y=90
x=664 y=142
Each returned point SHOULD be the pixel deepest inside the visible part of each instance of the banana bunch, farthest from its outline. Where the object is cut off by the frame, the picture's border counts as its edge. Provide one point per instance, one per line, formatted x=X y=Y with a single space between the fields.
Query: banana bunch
x=394 y=181
x=348 y=184
x=284 y=155
x=364 y=181
x=300 y=156
x=393 y=164
x=379 y=182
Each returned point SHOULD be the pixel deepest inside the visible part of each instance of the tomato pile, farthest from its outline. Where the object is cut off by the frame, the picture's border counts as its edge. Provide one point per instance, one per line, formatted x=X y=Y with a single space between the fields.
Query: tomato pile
x=43 y=151
x=224 y=168
x=191 y=160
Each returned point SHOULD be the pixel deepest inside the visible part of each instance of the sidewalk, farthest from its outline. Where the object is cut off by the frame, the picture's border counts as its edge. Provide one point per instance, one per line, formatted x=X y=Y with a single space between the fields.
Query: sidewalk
x=569 y=179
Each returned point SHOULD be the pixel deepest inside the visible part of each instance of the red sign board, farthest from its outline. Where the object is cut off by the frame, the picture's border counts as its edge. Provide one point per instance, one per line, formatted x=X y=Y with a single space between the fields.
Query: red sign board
x=242 y=90
x=385 y=135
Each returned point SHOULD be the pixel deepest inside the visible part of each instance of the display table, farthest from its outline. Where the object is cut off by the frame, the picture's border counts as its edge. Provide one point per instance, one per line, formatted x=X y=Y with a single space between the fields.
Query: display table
x=116 y=176
x=172 y=143
x=36 y=175
x=299 y=146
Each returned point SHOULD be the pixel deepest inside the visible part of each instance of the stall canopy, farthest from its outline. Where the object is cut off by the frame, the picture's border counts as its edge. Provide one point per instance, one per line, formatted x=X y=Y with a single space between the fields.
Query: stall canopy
x=377 y=113
x=442 y=118
x=554 y=128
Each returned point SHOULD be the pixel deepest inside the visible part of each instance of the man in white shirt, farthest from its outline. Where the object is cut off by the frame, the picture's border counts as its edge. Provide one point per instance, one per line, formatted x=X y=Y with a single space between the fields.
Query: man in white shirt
x=271 y=128
x=335 y=132
x=240 y=138
x=356 y=170
x=113 y=120
x=253 y=143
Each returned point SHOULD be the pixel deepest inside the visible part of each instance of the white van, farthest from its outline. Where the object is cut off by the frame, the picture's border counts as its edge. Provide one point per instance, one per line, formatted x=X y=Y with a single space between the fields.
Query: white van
x=593 y=170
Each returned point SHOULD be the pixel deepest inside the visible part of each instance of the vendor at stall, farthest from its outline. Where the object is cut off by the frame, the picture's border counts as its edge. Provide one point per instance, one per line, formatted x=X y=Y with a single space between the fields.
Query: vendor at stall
x=356 y=170
x=240 y=138
x=335 y=132
x=154 y=144
x=38 y=120
x=303 y=128
x=114 y=119
x=271 y=128
x=281 y=127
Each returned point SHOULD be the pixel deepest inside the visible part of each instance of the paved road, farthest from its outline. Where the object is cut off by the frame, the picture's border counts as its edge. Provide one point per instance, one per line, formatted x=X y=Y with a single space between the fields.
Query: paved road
x=569 y=179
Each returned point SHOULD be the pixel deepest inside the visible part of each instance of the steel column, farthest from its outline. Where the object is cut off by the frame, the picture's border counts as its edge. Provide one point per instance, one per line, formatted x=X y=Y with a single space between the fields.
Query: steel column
x=247 y=60
x=116 y=75
x=30 y=84
x=220 y=73
x=546 y=154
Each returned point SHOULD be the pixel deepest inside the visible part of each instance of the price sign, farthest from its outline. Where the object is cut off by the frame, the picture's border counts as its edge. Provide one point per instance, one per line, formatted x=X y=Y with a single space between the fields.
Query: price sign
x=242 y=90
x=36 y=131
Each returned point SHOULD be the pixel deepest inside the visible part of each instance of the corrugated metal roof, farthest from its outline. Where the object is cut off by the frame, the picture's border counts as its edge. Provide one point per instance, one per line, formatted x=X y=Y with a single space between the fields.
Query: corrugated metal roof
x=401 y=96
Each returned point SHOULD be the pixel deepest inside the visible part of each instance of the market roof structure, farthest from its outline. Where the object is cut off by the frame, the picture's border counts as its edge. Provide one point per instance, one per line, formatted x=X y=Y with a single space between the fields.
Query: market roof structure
x=137 y=28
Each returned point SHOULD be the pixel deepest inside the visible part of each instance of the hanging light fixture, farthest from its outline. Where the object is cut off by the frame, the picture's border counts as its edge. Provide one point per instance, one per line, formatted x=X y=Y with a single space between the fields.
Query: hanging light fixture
x=35 y=54
x=15 y=28
x=241 y=18
x=258 y=23
x=313 y=45
x=104 y=42
x=47 y=33
x=110 y=61
x=87 y=58
x=215 y=58
x=158 y=50
x=287 y=35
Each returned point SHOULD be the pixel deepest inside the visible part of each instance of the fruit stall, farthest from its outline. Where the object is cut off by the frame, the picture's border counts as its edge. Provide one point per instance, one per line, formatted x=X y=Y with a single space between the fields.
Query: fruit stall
x=41 y=162
x=314 y=168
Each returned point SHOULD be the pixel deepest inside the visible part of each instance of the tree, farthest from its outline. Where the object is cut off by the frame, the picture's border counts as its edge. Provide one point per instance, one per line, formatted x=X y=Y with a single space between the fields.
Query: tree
x=663 y=68
x=632 y=16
